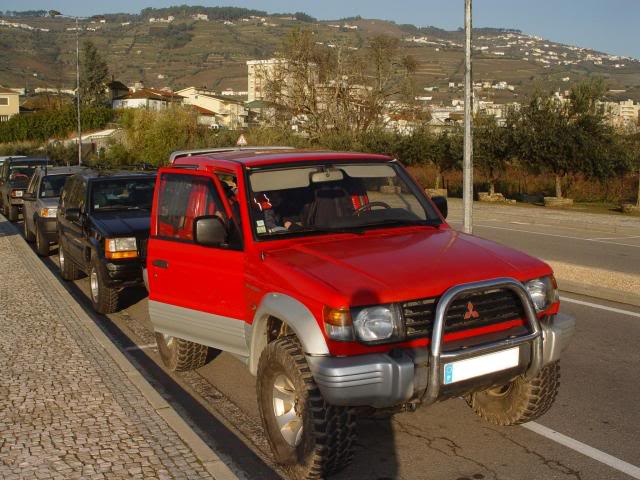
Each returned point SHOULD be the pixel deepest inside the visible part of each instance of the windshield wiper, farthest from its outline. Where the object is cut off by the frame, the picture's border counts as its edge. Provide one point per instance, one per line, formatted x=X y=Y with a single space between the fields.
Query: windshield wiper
x=405 y=222
x=319 y=229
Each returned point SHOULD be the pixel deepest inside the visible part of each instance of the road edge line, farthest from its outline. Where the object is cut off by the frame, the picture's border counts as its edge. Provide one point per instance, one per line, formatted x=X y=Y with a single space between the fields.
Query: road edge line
x=584 y=449
x=209 y=459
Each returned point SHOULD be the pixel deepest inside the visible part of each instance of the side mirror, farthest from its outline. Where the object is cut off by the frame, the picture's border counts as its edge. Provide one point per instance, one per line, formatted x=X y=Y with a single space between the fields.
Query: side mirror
x=72 y=214
x=28 y=196
x=209 y=231
x=441 y=203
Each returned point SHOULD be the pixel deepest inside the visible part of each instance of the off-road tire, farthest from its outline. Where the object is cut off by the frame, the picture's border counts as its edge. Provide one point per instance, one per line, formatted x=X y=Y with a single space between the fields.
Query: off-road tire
x=14 y=213
x=42 y=244
x=329 y=431
x=522 y=401
x=28 y=234
x=107 y=298
x=68 y=270
x=181 y=355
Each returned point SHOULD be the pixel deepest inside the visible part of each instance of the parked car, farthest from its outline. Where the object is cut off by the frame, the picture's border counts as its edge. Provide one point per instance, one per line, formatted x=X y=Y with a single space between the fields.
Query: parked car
x=341 y=286
x=103 y=228
x=41 y=205
x=15 y=174
x=4 y=158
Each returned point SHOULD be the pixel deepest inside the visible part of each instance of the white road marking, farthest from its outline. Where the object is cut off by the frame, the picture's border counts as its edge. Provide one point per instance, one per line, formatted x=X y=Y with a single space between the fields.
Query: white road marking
x=585 y=449
x=560 y=236
x=141 y=347
x=601 y=307
x=616 y=238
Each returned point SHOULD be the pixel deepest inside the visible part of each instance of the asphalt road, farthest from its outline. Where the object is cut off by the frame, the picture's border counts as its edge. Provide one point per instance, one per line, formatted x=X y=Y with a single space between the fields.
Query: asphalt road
x=548 y=235
x=597 y=407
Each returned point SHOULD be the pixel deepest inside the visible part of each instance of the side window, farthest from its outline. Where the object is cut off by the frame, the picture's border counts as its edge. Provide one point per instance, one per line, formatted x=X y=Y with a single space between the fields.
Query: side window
x=181 y=199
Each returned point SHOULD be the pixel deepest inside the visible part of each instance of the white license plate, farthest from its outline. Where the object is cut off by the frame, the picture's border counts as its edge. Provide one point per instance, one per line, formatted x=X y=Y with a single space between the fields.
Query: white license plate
x=482 y=365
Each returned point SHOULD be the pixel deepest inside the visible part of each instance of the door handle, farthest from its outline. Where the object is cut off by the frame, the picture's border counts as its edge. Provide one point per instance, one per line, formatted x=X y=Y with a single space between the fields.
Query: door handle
x=160 y=263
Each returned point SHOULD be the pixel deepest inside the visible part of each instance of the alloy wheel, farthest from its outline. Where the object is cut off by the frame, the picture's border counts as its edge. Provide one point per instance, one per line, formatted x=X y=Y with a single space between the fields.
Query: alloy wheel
x=286 y=409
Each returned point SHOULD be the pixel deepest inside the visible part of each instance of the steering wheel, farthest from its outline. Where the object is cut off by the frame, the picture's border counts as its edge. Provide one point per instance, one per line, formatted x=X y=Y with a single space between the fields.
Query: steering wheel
x=369 y=206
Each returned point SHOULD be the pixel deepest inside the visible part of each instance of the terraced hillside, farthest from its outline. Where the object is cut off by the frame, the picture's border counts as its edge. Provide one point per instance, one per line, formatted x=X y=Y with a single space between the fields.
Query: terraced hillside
x=213 y=53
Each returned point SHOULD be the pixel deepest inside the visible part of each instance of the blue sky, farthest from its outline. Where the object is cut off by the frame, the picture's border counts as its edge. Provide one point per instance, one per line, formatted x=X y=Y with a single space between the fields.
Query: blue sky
x=611 y=26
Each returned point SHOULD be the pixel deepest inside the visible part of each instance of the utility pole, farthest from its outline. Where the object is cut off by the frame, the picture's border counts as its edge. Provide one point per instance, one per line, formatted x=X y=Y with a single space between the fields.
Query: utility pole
x=467 y=168
x=78 y=92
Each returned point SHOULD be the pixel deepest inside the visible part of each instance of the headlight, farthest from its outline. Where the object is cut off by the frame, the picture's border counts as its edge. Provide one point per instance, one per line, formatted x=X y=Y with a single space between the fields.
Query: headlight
x=48 y=212
x=118 y=248
x=373 y=324
x=543 y=292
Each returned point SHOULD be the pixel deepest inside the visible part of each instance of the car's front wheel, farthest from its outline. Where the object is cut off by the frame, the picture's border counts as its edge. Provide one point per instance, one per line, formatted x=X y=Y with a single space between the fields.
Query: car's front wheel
x=520 y=401
x=308 y=436
x=28 y=234
x=42 y=244
x=104 y=298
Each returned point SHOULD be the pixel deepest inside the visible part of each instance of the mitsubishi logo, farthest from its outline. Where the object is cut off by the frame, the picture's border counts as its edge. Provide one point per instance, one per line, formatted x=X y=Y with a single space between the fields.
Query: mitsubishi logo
x=470 y=313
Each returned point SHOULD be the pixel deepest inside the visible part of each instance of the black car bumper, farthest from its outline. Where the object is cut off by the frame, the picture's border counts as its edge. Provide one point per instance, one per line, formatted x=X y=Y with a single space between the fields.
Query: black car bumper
x=122 y=273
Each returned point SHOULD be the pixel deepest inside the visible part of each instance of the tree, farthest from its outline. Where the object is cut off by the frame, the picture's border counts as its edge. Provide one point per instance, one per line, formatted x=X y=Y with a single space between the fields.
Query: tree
x=93 y=76
x=564 y=137
x=338 y=90
x=446 y=154
x=491 y=148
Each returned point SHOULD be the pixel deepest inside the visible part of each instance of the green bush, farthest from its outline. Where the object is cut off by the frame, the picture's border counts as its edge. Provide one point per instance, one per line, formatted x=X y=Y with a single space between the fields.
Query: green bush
x=56 y=123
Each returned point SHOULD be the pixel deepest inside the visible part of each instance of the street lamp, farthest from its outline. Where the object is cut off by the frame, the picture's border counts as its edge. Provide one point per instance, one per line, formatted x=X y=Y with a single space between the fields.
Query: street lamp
x=55 y=13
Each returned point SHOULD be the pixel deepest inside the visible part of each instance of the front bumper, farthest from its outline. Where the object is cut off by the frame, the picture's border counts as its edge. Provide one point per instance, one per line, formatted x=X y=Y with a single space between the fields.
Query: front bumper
x=16 y=202
x=383 y=380
x=122 y=273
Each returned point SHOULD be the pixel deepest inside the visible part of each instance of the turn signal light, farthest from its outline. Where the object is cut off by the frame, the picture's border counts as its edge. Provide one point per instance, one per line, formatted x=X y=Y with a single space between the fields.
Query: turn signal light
x=338 y=324
x=120 y=255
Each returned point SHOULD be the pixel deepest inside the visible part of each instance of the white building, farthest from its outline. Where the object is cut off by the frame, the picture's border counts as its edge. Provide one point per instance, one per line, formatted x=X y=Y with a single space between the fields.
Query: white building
x=213 y=110
x=259 y=74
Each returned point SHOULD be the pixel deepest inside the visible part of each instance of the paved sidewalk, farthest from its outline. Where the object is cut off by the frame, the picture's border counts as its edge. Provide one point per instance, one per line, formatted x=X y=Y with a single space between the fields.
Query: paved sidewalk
x=67 y=407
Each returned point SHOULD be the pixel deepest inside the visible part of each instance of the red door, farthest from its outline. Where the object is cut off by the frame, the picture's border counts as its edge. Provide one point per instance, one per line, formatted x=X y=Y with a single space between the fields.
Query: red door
x=196 y=292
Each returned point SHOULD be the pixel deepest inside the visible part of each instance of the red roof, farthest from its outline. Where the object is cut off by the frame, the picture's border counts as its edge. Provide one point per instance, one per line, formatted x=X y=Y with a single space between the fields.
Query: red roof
x=259 y=158
x=203 y=111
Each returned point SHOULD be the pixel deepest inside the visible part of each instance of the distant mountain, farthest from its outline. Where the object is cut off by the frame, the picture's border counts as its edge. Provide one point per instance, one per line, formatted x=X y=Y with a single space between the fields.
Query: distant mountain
x=208 y=46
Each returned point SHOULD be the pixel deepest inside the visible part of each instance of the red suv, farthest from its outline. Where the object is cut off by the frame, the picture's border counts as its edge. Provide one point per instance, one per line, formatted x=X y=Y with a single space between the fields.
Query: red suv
x=340 y=285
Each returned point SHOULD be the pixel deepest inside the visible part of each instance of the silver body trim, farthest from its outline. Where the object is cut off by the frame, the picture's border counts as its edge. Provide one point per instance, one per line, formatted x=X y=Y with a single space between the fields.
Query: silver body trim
x=556 y=334
x=217 y=331
x=292 y=312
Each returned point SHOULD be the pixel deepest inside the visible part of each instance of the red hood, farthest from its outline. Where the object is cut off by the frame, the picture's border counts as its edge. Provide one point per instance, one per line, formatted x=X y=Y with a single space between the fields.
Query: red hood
x=399 y=264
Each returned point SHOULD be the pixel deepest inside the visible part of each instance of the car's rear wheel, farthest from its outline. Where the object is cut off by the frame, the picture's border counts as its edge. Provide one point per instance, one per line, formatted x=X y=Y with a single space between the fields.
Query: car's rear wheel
x=520 y=401
x=68 y=269
x=28 y=234
x=105 y=299
x=180 y=355
x=311 y=438
x=42 y=244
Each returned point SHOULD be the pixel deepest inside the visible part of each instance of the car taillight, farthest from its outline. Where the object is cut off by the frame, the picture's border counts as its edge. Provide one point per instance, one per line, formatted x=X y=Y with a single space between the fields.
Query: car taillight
x=16 y=193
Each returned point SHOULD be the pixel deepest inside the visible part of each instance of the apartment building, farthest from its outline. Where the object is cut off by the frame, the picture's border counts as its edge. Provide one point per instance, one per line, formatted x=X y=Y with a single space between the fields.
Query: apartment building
x=9 y=103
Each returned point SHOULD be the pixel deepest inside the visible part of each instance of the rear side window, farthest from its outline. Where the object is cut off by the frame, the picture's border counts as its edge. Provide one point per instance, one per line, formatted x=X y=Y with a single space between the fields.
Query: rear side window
x=181 y=199
x=51 y=186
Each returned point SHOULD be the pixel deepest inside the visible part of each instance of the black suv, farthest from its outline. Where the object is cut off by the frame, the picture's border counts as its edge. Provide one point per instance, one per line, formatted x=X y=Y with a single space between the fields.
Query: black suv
x=103 y=227
x=41 y=204
x=15 y=174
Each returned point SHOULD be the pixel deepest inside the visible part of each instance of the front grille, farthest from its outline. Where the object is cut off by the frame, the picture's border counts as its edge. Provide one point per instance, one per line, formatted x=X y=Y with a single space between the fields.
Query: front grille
x=467 y=311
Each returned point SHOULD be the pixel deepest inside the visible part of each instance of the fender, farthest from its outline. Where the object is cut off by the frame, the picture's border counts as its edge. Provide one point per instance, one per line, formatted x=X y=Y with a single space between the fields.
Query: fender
x=296 y=315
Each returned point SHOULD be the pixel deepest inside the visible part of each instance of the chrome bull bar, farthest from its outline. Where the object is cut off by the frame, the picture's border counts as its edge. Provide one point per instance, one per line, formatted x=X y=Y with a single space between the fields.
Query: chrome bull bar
x=437 y=356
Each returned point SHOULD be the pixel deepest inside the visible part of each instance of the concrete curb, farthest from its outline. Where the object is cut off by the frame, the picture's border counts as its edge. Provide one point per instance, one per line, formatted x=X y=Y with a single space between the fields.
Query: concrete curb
x=208 y=458
x=602 y=293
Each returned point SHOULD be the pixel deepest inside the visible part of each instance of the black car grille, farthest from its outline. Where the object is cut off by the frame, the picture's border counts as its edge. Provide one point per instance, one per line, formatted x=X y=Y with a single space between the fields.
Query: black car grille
x=467 y=311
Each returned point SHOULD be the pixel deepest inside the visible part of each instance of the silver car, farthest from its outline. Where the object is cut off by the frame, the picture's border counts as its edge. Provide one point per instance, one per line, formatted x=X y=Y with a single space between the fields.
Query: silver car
x=41 y=204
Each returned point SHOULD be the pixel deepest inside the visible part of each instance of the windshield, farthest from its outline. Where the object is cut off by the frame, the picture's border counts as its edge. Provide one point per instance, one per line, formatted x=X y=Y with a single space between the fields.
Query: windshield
x=21 y=174
x=122 y=194
x=51 y=186
x=334 y=198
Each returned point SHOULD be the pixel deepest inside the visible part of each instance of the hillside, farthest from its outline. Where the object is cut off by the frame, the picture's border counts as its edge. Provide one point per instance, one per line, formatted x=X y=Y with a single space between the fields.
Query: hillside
x=40 y=51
